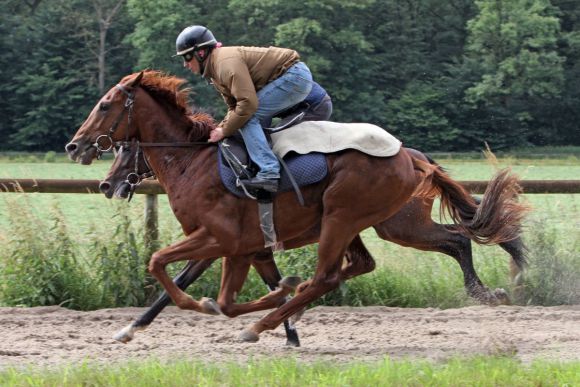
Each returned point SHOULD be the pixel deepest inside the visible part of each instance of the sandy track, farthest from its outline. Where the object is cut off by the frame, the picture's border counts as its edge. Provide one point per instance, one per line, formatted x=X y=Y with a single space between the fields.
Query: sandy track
x=54 y=335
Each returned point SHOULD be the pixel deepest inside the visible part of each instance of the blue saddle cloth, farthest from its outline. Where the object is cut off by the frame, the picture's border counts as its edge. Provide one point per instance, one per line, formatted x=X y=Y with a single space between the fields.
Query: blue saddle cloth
x=306 y=169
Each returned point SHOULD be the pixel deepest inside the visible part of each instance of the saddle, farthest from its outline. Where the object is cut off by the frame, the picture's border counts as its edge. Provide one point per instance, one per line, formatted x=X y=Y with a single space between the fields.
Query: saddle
x=234 y=163
x=301 y=150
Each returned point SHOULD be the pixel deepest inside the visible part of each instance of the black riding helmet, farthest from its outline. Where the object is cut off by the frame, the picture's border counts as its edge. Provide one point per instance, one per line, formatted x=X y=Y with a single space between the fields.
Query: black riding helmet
x=193 y=39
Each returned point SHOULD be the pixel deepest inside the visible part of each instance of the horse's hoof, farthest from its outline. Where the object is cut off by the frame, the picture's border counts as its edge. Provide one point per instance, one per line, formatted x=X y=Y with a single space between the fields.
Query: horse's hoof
x=209 y=306
x=292 y=343
x=290 y=282
x=502 y=297
x=125 y=335
x=249 y=336
x=297 y=316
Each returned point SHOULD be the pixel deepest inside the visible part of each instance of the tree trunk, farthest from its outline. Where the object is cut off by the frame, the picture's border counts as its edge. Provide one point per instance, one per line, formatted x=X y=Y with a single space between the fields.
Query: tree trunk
x=105 y=19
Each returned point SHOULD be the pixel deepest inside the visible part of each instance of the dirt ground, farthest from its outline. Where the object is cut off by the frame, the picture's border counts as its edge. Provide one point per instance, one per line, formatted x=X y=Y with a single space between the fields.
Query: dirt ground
x=52 y=336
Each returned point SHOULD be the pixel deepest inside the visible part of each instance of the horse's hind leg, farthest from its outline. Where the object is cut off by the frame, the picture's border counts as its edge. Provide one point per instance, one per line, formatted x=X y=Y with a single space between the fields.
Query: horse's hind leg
x=234 y=273
x=334 y=241
x=266 y=267
x=186 y=277
x=413 y=227
x=518 y=252
x=358 y=261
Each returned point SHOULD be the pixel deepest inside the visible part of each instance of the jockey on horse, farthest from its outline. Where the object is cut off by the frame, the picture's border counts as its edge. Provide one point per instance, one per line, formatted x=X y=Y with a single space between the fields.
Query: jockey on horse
x=257 y=84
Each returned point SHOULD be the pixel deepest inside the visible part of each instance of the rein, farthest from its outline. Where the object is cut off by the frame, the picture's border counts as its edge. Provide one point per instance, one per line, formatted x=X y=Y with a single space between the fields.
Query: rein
x=128 y=107
x=104 y=143
x=135 y=178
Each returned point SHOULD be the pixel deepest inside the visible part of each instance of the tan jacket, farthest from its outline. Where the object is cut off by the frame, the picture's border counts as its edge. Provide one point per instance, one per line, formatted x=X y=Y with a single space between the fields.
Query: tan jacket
x=239 y=72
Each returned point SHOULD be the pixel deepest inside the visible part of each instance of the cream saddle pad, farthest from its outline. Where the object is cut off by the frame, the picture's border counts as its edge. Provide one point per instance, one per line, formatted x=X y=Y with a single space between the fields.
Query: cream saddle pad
x=329 y=137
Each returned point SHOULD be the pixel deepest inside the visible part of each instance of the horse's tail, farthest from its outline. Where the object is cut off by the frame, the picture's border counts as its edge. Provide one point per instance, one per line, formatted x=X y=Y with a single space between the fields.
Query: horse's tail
x=495 y=220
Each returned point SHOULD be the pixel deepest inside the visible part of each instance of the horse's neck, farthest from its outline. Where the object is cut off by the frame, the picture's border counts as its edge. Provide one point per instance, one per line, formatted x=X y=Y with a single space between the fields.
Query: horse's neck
x=173 y=164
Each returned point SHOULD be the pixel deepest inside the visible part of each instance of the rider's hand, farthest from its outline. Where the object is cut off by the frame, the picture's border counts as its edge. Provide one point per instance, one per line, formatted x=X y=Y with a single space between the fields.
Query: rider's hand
x=216 y=134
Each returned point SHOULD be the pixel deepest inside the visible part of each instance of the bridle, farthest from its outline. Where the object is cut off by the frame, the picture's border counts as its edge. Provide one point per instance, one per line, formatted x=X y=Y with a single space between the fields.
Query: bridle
x=134 y=178
x=128 y=108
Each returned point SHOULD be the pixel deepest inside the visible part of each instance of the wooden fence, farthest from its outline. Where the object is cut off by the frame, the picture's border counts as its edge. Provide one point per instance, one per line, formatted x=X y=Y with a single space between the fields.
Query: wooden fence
x=152 y=189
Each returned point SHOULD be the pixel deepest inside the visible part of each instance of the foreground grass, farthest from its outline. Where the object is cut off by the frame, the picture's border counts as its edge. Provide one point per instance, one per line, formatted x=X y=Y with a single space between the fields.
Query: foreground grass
x=472 y=372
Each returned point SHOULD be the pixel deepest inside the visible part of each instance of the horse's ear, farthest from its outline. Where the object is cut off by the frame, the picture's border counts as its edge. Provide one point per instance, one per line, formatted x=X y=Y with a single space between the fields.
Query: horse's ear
x=137 y=80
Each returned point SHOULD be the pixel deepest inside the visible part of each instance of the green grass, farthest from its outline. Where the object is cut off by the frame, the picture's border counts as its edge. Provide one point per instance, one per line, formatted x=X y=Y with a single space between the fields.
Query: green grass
x=85 y=212
x=471 y=372
x=50 y=238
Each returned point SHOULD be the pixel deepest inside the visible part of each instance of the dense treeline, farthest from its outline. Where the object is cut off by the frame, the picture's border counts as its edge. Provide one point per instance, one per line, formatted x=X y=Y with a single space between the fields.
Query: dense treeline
x=441 y=75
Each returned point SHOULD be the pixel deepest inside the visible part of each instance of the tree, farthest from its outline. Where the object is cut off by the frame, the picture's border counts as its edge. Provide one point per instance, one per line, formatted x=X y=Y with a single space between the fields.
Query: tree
x=153 y=38
x=563 y=117
x=105 y=12
x=53 y=77
x=512 y=47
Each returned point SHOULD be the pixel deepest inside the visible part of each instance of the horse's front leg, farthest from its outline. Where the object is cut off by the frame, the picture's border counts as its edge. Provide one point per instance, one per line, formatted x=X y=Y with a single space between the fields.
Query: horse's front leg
x=197 y=246
x=331 y=250
x=234 y=273
x=186 y=277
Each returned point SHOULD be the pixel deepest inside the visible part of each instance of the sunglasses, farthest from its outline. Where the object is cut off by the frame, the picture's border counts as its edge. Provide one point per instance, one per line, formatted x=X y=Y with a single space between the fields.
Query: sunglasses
x=187 y=57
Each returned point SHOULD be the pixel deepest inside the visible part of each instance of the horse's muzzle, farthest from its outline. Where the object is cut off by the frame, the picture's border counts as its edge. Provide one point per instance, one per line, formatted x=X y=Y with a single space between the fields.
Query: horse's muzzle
x=77 y=153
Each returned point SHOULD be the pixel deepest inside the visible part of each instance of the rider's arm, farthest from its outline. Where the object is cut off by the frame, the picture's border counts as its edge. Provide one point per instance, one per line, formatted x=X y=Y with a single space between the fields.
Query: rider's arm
x=234 y=76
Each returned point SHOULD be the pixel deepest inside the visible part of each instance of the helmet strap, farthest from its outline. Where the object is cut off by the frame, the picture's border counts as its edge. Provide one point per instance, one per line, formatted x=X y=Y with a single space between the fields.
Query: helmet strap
x=201 y=55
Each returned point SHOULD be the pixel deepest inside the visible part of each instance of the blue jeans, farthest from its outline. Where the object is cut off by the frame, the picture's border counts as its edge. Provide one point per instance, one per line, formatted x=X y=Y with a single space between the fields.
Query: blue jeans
x=280 y=94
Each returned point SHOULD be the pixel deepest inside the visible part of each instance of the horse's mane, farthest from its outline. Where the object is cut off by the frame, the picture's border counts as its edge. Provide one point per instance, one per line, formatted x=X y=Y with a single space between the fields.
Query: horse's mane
x=170 y=91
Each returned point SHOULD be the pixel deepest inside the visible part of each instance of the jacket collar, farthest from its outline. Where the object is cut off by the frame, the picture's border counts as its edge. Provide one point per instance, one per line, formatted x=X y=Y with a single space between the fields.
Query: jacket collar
x=207 y=71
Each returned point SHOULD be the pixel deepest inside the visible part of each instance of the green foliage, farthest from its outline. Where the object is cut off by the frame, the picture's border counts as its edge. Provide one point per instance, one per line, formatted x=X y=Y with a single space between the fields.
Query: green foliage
x=442 y=75
x=515 y=42
x=512 y=52
x=40 y=265
x=553 y=277
x=50 y=157
x=121 y=264
x=418 y=116
x=481 y=371
x=50 y=61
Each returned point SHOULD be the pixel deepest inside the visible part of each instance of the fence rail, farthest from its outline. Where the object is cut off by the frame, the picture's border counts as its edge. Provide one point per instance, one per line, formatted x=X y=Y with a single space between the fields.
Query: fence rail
x=153 y=188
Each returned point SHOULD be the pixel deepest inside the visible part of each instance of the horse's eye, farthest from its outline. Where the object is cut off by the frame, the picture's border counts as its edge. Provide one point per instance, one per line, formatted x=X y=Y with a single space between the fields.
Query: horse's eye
x=104 y=106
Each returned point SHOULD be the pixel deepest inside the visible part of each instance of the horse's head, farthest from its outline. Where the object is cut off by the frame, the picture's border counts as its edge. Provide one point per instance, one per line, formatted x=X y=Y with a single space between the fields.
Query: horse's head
x=129 y=168
x=108 y=122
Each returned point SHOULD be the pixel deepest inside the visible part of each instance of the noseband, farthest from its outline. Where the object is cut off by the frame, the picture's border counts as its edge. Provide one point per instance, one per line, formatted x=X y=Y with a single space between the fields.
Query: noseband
x=135 y=178
x=128 y=107
x=104 y=143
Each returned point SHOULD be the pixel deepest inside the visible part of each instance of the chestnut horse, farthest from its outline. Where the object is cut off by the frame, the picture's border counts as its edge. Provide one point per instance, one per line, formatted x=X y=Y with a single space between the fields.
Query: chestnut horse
x=130 y=168
x=219 y=224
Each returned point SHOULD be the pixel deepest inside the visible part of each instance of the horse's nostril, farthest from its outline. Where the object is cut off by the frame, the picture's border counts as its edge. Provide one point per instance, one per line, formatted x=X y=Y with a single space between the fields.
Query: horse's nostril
x=104 y=186
x=71 y=147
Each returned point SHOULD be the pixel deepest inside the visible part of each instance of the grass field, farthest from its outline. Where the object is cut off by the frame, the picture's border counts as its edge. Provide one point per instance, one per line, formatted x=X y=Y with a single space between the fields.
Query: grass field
x=466 y=372
x=87 y=211
x=405 y=277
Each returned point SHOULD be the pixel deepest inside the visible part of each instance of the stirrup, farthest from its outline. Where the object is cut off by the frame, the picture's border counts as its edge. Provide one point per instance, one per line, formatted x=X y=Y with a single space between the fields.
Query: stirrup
x=286 y=123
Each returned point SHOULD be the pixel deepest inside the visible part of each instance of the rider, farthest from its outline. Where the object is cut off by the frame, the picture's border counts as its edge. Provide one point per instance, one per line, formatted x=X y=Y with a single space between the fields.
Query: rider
x=257 y=83
x=317 y=106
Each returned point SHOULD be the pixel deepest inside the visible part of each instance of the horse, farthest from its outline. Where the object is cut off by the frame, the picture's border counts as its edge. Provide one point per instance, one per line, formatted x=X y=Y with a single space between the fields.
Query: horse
x=336 y=210
x=130 y=168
